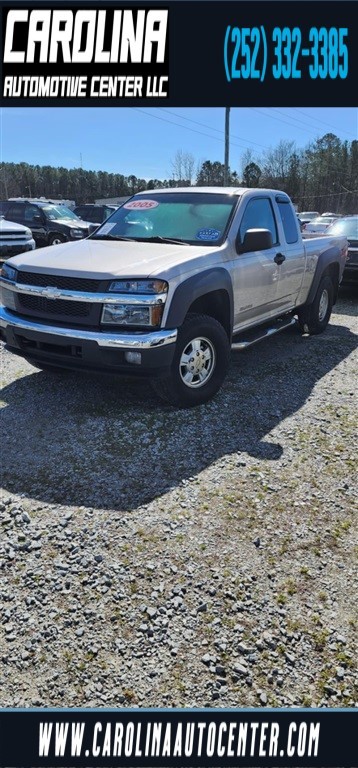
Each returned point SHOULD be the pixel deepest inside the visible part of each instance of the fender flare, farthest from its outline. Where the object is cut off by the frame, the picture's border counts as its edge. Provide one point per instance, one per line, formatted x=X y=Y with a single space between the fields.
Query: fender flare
x=194 y=288
x=325 y=260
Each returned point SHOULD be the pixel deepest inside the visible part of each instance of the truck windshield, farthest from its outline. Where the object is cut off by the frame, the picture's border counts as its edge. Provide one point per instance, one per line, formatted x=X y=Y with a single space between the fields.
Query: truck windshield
x=189 y=217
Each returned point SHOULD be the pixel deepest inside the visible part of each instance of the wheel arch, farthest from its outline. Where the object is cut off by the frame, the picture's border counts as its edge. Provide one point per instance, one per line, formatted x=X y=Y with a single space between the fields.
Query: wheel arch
x=183 y=385
x=56 y=233
x=328 y=264
x=209 y=293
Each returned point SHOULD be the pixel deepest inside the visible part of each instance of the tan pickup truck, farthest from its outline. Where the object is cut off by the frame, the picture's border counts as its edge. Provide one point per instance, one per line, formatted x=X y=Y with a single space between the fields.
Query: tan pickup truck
x=171 y=282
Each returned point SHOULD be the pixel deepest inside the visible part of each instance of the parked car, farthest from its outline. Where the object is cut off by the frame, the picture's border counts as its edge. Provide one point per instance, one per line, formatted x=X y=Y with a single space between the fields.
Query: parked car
x=49 y=224
x=14 y=239
x=317 y=226
x=348 y=227
x=168 y=285
x=306 y=216
x=334 y=215
x=96 y=214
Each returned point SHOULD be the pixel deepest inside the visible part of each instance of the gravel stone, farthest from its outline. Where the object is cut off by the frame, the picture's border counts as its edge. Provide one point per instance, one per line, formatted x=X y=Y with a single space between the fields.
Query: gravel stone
x=159 y=557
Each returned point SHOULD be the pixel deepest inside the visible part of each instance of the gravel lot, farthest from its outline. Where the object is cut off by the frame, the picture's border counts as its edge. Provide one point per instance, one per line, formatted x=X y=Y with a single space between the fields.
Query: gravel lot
x=157 y=557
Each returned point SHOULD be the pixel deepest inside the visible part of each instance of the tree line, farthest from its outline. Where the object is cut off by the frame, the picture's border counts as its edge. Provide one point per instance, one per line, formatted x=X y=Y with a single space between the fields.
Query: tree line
x=323 y=176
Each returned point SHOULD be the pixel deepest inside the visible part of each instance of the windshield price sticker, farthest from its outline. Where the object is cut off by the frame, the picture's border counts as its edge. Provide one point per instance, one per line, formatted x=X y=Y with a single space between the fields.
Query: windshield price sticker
x=144 y=205
x=250 y=53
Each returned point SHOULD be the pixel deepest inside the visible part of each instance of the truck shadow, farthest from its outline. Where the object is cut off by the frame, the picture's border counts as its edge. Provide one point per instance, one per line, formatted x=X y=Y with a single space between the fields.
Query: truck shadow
x=111 y=444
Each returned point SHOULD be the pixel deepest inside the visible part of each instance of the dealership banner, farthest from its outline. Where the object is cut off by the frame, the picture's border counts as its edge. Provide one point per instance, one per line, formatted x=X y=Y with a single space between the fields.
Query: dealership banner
x=185 y=54
x=173 y=737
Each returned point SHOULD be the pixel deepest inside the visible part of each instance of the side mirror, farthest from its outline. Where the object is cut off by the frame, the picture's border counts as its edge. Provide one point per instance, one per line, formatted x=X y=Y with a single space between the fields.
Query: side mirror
x=255 y=240
x=37 y=218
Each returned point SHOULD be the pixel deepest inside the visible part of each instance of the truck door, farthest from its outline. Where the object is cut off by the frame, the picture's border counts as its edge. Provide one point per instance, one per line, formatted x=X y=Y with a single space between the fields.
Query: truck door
x=35 y=219
x=256 y=274
x=292 y=268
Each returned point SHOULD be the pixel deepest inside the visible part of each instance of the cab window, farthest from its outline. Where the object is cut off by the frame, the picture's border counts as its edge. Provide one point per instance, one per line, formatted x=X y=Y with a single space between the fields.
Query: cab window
x=30 y=212
x=16 y=212
x=289 y=222
x=259 y=215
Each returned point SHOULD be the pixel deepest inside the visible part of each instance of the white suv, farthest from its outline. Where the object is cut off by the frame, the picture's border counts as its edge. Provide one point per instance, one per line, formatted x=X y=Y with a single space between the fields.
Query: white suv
x=14 y=239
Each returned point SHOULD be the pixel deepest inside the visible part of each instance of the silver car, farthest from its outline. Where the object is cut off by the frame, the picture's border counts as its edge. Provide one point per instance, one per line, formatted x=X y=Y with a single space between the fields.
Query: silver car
x=306 y=216
x=317 y=226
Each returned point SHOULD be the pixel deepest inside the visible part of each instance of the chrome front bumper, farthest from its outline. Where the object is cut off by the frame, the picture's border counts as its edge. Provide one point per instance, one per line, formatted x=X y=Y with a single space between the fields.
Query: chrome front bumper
x=118 y=340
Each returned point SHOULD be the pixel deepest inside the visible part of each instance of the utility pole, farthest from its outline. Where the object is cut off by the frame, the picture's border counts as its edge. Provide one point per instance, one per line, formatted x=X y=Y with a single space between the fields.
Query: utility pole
x=227 y=143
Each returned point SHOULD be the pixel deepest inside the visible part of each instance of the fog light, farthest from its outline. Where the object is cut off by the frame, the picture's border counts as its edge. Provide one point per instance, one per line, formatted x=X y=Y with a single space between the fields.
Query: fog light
x=133 y=357
x=8 y=298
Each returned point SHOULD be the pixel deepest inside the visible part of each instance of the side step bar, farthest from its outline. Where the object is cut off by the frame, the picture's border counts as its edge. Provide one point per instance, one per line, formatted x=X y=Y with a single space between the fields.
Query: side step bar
x=262 y=333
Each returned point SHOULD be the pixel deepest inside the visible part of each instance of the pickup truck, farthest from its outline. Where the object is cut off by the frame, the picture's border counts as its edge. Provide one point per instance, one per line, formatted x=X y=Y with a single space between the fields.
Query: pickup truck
x=168 y=285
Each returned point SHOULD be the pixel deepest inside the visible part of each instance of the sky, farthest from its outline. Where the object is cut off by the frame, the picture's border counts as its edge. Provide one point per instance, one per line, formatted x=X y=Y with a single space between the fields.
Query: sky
x=144 y=141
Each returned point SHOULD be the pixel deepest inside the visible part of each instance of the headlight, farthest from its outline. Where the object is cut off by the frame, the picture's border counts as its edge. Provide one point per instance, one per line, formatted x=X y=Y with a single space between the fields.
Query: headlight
x=139 y=286
x=9 y=273
x=147 y=312
x=28 y=234
x=132 y=314
x=77 y=233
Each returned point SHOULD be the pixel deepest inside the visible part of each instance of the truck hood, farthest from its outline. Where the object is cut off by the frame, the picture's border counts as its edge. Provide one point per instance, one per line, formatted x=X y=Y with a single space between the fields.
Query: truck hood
x=105 y=259
x=75 y=223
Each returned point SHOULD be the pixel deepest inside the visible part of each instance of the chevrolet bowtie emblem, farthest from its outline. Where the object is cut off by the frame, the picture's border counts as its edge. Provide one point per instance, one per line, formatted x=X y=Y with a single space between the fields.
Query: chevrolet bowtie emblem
x=51 y=293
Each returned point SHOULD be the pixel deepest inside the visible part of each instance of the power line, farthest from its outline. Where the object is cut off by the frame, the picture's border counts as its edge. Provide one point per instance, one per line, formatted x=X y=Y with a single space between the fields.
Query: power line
x=318 y=120
x=186 y=127
x=279 y=119
x=296 y=122
x=330 y=194
x=218 y=130
x=312 y=128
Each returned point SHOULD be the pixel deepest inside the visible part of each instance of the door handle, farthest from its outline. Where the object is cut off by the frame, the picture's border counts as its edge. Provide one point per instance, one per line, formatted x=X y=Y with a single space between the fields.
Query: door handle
x=279 y=258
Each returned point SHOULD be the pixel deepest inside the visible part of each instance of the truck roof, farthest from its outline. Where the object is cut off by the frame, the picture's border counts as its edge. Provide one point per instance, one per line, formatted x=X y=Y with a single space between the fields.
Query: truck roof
x=213 y=190
x=210 y=190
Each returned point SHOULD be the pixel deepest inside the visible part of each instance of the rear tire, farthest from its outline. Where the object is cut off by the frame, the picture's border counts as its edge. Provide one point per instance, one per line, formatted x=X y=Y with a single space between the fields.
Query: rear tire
x=200 y=363
x=314 y=318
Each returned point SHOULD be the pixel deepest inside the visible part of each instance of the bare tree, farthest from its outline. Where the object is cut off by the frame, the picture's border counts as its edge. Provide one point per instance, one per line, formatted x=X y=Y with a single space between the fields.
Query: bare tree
x=189 y=167
x=183 y=167
x=276 y=163
x=246 y=158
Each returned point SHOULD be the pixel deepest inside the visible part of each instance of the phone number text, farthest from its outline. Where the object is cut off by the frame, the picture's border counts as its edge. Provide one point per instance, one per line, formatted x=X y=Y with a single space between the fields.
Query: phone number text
x=251 y=53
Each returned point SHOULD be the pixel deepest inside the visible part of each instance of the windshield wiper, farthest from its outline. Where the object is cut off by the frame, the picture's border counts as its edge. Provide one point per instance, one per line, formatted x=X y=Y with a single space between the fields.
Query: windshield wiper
x=156 y=239
x=159 y=239
x=113 y=237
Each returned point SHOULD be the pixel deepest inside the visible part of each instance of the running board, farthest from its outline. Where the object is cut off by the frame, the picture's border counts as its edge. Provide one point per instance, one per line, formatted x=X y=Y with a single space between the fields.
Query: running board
x=259 y=334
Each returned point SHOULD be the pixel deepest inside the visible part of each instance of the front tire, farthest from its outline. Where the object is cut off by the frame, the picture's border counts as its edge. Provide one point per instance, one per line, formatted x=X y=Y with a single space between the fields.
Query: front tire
x=199 y=365
x=315 y=317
